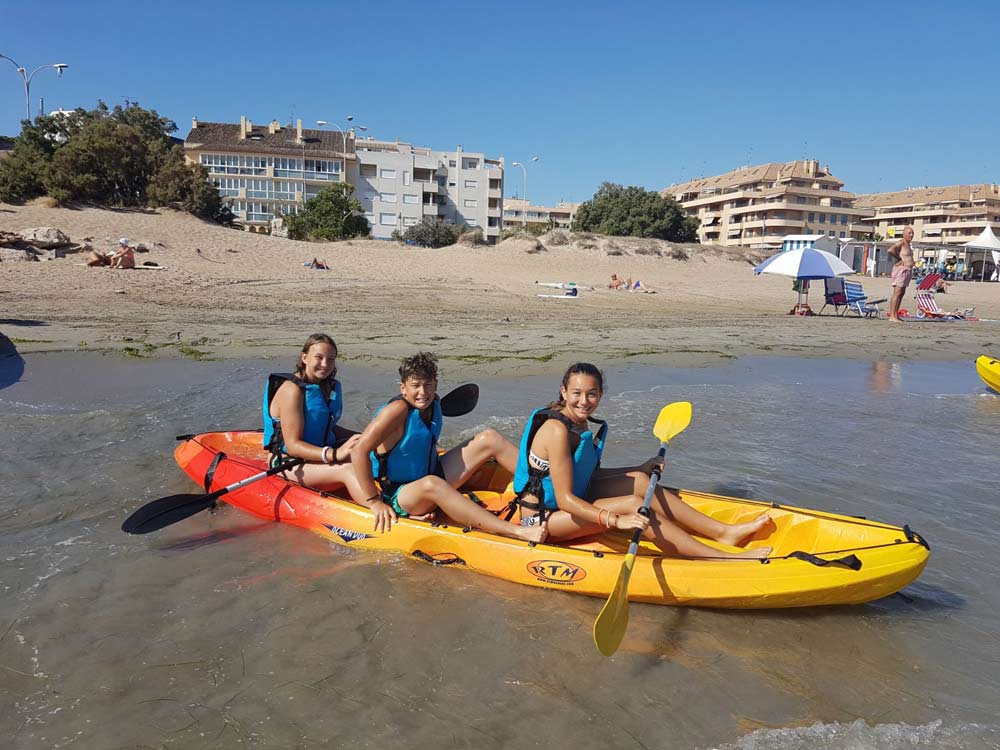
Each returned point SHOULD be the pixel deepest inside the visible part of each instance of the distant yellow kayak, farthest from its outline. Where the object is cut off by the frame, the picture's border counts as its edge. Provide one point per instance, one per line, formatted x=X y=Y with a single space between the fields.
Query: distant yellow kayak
x=818 y=558
x=989 y=370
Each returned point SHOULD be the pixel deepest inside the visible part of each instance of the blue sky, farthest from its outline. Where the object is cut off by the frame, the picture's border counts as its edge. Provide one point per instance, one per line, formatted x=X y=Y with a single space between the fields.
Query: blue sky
x=889 y=94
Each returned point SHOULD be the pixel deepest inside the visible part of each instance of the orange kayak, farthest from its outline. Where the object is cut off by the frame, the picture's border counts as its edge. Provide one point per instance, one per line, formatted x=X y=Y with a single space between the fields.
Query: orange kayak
x=819 y=558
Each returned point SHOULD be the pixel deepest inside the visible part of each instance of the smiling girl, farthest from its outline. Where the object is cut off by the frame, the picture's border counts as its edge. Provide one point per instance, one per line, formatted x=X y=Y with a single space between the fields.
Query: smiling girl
x=559 y=481
x=301 y=412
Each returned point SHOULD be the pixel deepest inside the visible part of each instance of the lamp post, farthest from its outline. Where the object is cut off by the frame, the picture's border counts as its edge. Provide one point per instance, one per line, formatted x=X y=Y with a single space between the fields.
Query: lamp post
x=59 y=67
x=524 y=184
x=343 y=135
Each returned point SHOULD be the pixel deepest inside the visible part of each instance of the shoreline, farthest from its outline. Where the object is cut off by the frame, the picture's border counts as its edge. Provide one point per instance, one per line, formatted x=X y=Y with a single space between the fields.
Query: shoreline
x=227 y=294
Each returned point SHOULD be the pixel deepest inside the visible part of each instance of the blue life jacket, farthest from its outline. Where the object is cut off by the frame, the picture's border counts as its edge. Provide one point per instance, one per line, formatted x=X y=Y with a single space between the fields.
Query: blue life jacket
x=319 y=414
x=530 y=480
x=414 y=456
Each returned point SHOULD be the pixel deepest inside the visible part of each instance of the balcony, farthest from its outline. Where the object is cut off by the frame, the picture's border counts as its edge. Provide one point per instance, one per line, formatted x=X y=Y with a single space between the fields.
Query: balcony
x=493 y=212
x=430 y=186
x=431 y=209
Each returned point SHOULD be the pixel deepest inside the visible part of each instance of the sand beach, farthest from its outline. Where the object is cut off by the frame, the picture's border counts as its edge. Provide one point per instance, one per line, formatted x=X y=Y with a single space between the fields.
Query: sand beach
x=224 y=293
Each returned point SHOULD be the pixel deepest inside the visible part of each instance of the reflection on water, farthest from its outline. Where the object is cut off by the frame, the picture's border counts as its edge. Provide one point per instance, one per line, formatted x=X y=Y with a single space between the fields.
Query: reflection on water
x=223 y=631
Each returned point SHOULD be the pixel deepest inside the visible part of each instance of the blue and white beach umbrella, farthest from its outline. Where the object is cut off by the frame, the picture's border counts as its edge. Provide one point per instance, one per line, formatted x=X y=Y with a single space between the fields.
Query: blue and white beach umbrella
x=805 y=263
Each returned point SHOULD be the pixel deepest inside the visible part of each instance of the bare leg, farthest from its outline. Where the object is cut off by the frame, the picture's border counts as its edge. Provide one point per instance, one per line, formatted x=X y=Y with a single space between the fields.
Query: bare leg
x=324 y=477
x=423 y=495
x=670 y=506
x=462 y=461
x=895 y=302
x=666 y=535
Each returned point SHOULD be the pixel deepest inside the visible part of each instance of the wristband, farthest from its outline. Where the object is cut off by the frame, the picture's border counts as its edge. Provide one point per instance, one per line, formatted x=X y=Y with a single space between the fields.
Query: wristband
x=368 y=500
x=325 y=449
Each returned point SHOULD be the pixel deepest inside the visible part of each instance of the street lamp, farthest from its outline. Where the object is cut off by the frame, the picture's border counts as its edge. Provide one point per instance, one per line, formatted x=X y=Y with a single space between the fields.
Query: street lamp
x=59 y=67
x=524 y=175
x=343 y=135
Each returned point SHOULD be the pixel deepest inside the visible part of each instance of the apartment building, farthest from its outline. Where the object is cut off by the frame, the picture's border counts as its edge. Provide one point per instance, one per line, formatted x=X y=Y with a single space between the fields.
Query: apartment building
x=266 y=170
x=399 y=185
x=273 y=169
x=559 y=216
x=758 y=206
x=950 y=215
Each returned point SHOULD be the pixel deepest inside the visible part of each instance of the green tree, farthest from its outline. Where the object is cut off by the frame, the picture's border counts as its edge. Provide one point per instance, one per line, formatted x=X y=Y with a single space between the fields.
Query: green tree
x=106 y=162
x=334 y=214
x=183 y=185
x=635 y=212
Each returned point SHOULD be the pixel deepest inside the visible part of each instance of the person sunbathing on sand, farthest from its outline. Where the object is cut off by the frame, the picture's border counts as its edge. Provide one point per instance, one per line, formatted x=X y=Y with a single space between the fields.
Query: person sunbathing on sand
x=124 y=256
x=559 y=482
x=399 y=448
x=616 y=283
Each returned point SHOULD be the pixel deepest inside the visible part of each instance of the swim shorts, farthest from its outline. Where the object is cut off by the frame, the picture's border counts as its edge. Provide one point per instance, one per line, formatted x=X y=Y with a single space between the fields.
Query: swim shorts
x=390 y=494
x=901 y=276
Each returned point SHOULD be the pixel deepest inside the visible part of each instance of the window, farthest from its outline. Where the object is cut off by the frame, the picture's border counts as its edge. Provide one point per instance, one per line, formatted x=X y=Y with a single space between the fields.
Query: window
x=451 y=163
x=409 y=222
x=406 y=177
x=410 y=198
x=452 y=184
x=388 y=174
x=472 y=183
x=471 y=223
x=369 y=170
x=832 y=233
x=812 y=217
x=841 y=235
x=470 y=203
x=822 y=218
x=387 y=220
x=843 y=219
x=387 y=197
x=470 y=164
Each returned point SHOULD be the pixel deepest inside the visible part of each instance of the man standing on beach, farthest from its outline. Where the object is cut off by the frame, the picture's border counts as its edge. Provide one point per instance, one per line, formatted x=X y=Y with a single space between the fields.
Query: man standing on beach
x=902 y=272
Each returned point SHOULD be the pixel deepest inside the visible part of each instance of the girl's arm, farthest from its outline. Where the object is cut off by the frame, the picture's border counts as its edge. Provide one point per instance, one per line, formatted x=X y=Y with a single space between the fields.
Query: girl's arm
x=552 y=443
x=288 y=403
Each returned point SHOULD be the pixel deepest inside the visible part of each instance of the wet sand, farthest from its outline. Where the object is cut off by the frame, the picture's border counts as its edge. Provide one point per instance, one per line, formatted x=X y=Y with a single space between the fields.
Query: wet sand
x=229 y=294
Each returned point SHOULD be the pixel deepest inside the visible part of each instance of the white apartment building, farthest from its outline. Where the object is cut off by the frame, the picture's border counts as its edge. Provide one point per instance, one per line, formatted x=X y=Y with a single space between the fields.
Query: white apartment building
x=950 y=215
x=758 y=206
x=264 y=170
x=399 y=185
x=273 y=169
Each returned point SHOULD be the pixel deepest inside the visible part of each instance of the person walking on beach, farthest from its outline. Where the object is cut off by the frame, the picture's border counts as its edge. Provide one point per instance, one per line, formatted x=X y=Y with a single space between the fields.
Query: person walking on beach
x=399 y=449
x=301 y=412
x=902 y=272
x=559 y=480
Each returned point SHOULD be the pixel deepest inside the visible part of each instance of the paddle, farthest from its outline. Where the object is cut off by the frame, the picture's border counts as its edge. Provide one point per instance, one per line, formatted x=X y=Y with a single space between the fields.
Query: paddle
x=168 y=510
x=610 y=625
x=460 y=401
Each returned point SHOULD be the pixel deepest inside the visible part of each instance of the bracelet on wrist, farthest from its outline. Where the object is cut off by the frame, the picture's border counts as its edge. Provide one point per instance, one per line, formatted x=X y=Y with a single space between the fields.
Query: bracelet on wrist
x=376 y=497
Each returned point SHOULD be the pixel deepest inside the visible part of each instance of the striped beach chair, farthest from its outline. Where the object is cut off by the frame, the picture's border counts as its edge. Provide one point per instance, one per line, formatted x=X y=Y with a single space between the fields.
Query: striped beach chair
x=927 y=307
x=858 y=302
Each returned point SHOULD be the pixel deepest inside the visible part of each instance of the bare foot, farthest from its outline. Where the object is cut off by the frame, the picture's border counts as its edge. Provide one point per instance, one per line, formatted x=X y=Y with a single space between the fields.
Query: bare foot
x=736 y=533
x=535 y=533
x=760 y=553
x=894 y=320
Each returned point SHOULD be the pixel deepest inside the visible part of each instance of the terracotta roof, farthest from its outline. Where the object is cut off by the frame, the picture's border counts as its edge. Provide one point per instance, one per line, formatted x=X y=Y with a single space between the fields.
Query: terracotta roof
x=925 y=195
x=225 y=136
x=773 y=172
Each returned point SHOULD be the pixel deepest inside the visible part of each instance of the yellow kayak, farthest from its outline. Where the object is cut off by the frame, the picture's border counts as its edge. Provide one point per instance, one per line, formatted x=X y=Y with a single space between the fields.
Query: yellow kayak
x=819 y=558
x=989 y=370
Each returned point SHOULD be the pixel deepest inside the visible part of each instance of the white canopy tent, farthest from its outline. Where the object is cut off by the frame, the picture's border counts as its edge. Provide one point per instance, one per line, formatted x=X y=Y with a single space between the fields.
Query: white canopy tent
x=986 y=241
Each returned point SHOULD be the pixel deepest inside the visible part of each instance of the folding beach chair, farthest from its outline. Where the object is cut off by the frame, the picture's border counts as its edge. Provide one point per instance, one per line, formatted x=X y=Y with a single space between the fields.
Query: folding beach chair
x=834 y=295
x=929 y=282
x=927 y=307
x=858 y=302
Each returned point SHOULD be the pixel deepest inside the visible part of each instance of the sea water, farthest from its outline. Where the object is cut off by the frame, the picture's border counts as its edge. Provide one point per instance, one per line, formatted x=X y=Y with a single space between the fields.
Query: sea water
x=222 y=631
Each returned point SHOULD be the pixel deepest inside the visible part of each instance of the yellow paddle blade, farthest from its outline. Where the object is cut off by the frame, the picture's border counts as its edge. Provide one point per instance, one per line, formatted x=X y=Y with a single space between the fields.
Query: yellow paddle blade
x=673 y=420
x=611 y=624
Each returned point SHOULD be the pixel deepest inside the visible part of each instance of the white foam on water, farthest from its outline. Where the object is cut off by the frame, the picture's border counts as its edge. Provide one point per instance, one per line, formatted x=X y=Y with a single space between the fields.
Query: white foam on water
x=859 y=735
